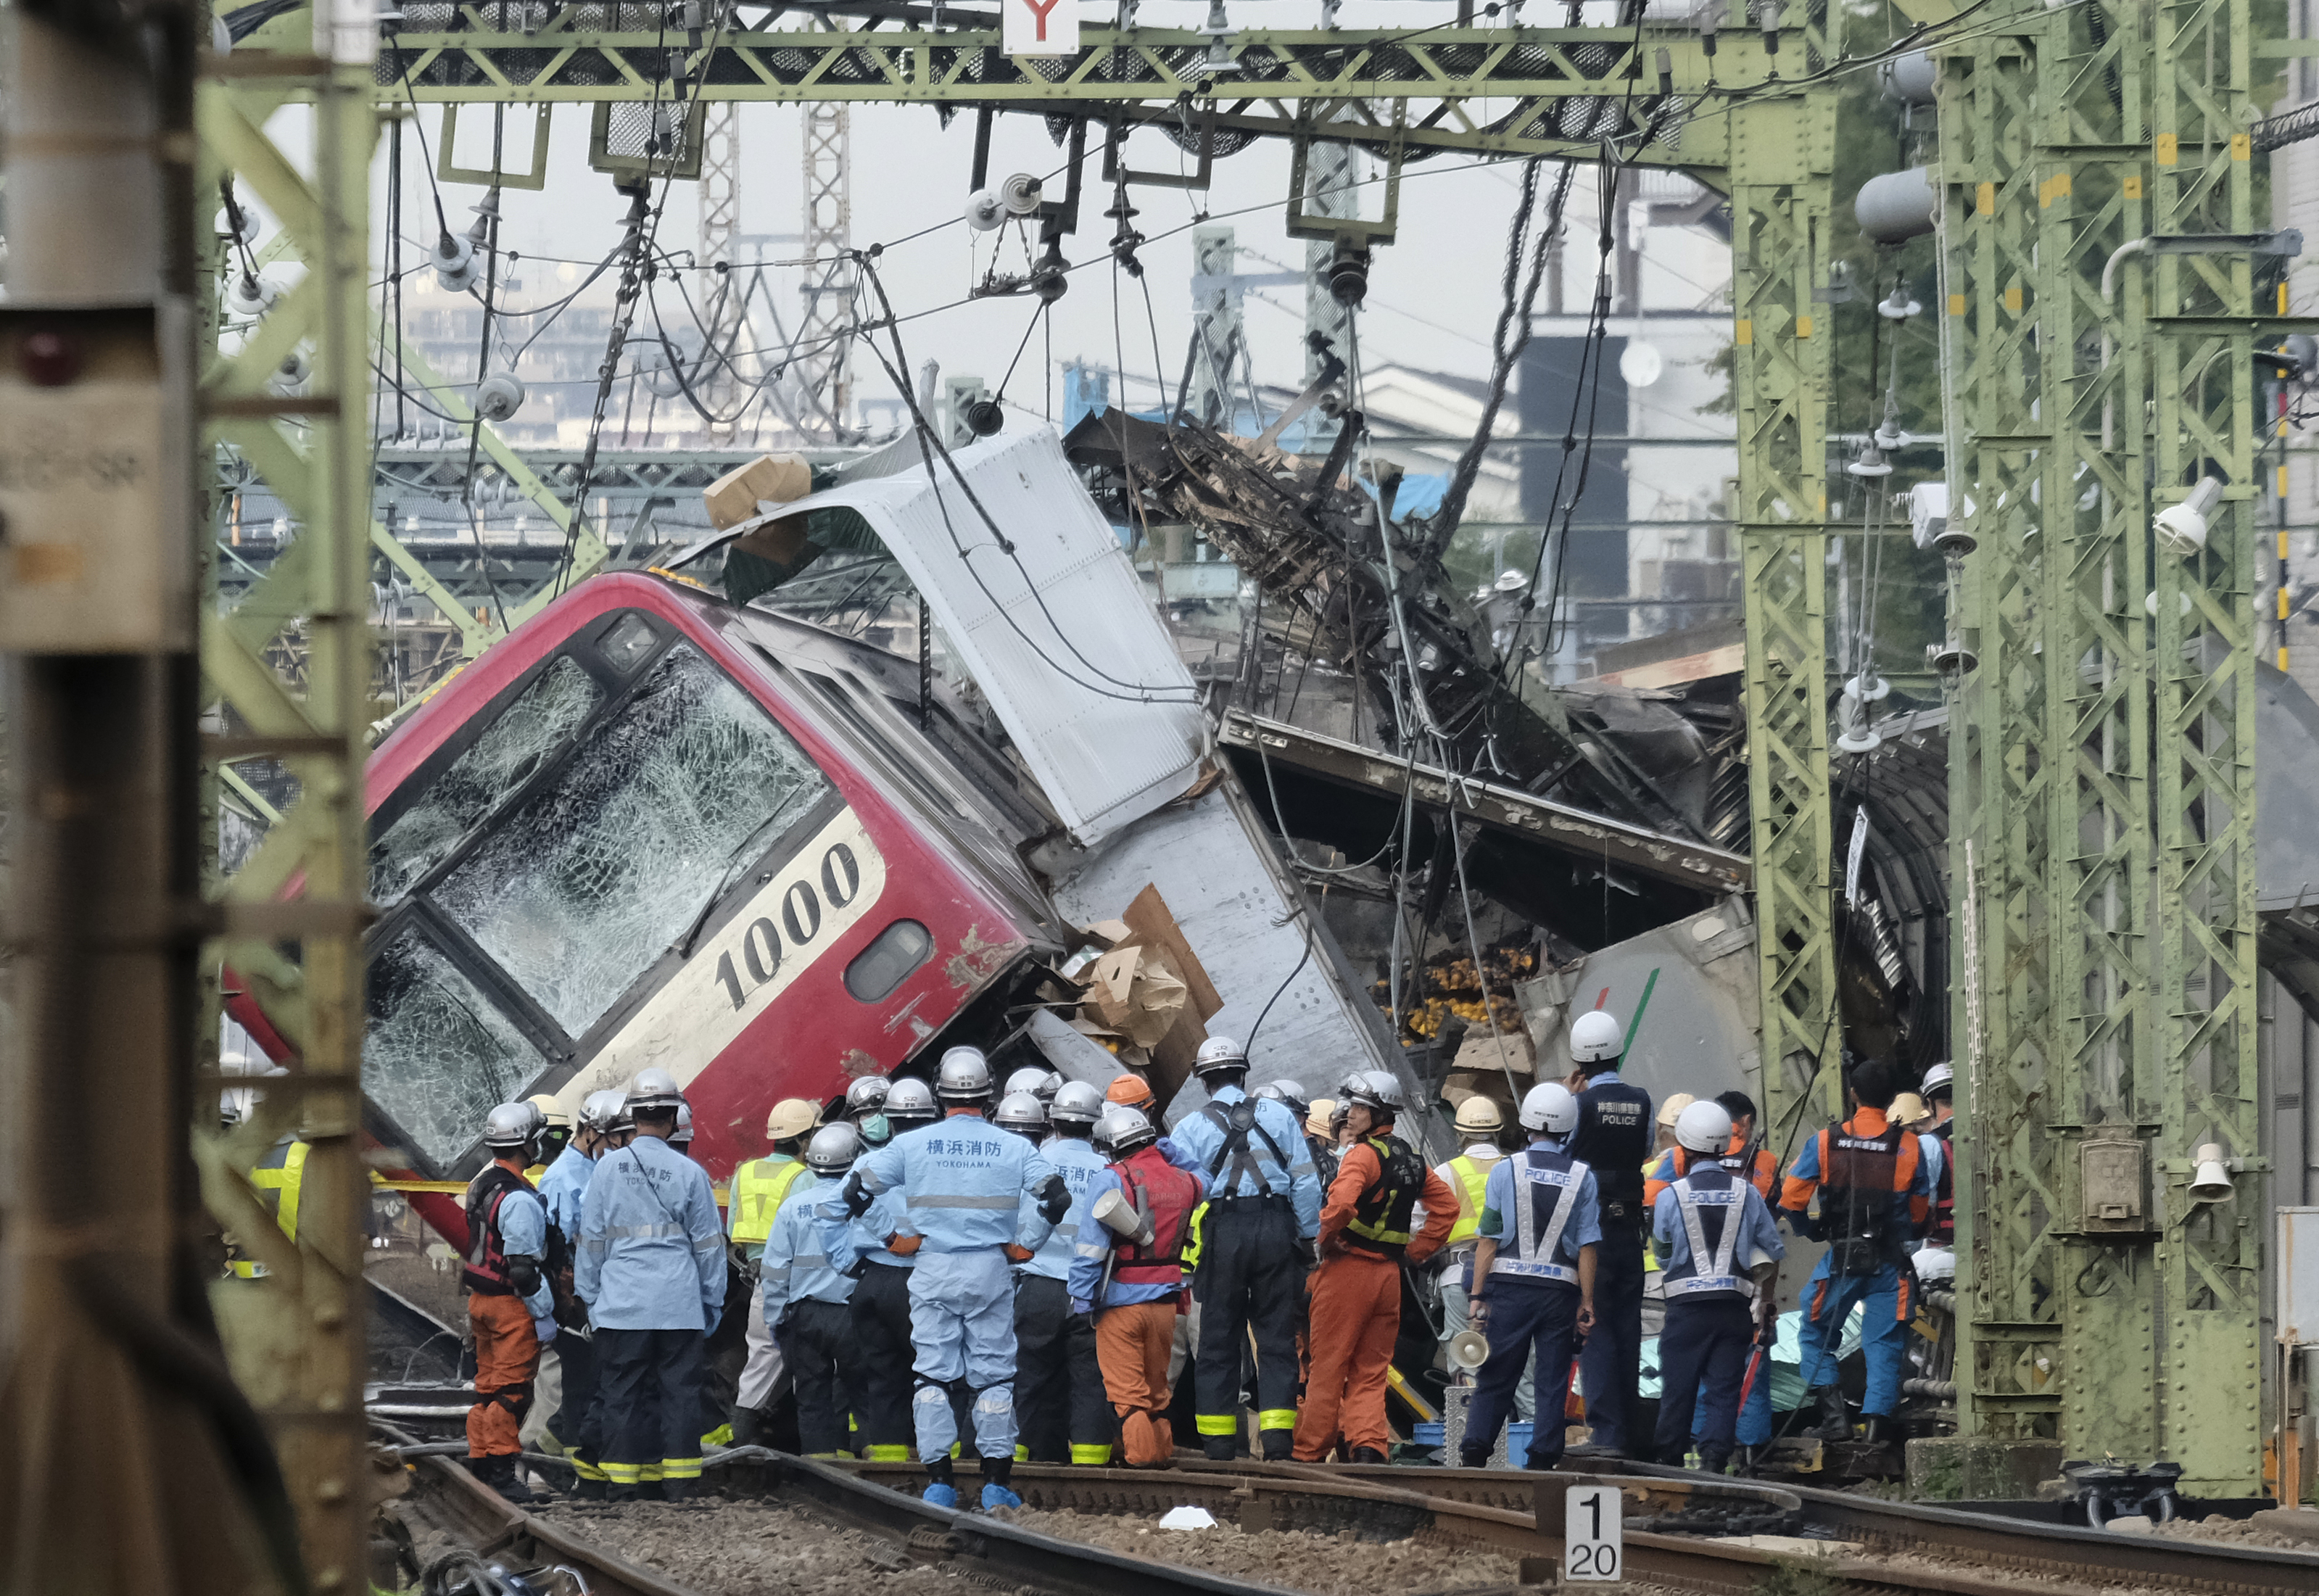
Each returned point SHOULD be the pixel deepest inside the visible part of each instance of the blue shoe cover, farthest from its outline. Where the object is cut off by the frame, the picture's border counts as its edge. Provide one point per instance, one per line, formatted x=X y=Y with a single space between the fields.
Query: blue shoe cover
x=942 y=1495
x=996 y=1496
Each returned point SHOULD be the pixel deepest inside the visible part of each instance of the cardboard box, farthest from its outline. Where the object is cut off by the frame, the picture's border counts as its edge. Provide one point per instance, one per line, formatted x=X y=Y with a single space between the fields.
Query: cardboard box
x=778 y=479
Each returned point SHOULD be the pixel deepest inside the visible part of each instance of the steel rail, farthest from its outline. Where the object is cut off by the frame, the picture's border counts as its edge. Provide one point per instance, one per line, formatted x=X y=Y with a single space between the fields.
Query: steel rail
x=2021 y=1545
x=1494 y=1508
x=1970 y=1554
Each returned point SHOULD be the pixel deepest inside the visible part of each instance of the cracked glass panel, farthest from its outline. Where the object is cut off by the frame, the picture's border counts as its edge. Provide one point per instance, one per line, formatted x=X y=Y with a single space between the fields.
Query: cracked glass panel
x=438 y=1055
x=580 y=890
x=494 y=765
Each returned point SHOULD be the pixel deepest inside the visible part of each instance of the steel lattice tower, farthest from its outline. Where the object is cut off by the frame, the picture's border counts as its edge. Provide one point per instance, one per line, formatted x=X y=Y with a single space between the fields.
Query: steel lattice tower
x=824 y=367
x=720 y=227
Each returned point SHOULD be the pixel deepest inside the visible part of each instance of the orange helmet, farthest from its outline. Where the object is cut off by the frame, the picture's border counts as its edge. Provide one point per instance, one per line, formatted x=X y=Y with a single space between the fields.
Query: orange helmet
x=1130 y=1090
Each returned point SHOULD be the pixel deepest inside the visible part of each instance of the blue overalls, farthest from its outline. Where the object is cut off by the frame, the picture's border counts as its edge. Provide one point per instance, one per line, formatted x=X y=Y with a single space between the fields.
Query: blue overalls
x=963 y=1181
x=1841 y=1164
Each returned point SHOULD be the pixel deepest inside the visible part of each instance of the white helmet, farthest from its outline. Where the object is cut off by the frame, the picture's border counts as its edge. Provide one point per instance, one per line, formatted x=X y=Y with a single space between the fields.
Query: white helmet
x=833 y=1150
x=1020 y=1113
x=601 y=1111
x=910 y=1099
x=1940 y=1075
x=1705 y=1127
x=1123 y=1130
x=963 y=1076
x=867 y=1095
x=511 y=1125
x=654 y=1088
x=1288 y=1092
x=1219 y=1053
x=683 y=1135
x=1596 y=1035
x=1551 y=1107
x=1076 y=1103
x=1040 y=1083
x=1379 y=1091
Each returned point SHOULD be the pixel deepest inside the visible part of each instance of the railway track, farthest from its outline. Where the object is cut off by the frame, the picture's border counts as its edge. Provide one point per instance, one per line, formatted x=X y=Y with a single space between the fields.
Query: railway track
x=1870 y=1546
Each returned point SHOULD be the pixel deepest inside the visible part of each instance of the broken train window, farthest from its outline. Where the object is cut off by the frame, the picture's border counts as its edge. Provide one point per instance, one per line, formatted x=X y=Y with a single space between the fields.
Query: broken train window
x=492 y=767
x=438 y=1055
x=582 y=889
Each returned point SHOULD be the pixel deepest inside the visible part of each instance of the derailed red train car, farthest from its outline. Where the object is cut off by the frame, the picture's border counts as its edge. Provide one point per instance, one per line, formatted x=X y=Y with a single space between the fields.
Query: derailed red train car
x=655 y=828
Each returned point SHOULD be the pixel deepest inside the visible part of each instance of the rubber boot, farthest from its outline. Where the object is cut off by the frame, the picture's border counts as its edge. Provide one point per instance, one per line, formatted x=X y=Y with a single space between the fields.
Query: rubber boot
x=588 y=1490
x=1835 y=1423
x=748 y=1425
x=1279 y=1445
x=1218 y=1448
x=1367 y=1455
x=1473 y=1457
x=678 y=1490
x=1883 y=1430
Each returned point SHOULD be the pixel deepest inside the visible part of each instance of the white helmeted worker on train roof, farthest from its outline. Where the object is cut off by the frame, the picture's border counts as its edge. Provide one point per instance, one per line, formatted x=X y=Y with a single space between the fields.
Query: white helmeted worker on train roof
x=572 y=1429
x=757 y=1190
x=652 y=1271
x=964 y=1181
x=554 y=1132
x=806 y=1301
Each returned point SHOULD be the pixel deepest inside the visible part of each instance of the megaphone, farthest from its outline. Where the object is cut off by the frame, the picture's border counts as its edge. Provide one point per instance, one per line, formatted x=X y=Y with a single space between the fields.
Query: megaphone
x=1115 y=1214
x=1470 y=1349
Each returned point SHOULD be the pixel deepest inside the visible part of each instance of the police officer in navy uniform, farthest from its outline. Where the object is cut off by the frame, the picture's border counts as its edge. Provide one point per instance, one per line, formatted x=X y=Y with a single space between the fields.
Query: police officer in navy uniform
x=1537 y=1253
x=1613 y=1139
x=1713 y=1230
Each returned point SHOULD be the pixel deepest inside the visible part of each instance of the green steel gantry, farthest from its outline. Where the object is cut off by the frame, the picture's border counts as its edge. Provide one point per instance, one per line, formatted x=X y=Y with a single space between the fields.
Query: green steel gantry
x=2099 y=327
x=2102 y=804
x=1726 y=114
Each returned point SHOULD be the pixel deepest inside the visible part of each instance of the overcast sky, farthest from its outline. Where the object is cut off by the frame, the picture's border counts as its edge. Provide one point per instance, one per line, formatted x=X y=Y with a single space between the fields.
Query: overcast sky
x=1433 y=295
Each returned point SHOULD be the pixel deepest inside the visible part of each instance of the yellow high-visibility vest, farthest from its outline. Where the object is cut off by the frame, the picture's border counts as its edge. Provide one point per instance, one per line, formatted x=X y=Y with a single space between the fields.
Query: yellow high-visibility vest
x=758 y=1188
x=1472 y=1178
x=278 y=1185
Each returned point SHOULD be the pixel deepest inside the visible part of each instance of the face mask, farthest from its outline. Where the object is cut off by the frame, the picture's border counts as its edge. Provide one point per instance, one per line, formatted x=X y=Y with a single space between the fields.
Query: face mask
x=876 y=1131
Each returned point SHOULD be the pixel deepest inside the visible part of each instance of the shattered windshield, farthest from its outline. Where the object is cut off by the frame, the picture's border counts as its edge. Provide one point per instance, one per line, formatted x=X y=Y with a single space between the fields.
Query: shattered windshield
x=583 y=888
x=494 y=766
x=437 y=1054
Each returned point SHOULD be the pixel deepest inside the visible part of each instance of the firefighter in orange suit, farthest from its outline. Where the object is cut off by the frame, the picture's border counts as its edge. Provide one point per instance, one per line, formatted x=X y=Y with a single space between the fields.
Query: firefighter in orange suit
x=1357 y=1289
x=1127 y=1269
x=510 y=1305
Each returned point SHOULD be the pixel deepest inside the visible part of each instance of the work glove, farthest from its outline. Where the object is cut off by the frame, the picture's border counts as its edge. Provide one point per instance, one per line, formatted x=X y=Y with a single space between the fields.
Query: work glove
x=1016 y=1253
x=523 y=1274
x=1478 y=1313
x=1054 y=1199
x=857 y=1195
x=903 y=1246
x=1081 y=1307
x=544 y=1328
x=1305 y=1254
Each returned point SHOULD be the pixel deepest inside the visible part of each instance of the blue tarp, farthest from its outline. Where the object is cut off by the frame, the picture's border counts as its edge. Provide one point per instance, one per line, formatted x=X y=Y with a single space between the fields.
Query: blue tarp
x=1785 y=1361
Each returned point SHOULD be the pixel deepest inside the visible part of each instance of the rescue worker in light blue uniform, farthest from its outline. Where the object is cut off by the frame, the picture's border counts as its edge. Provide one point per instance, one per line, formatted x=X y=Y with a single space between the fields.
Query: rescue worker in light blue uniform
x=564 y=1189
x=1712 y=1228
x=1256 y=1248
x=877 y=1249
x=805 y=1300
x=1058 y=1396
x=652 y=1271
x=963 y=1180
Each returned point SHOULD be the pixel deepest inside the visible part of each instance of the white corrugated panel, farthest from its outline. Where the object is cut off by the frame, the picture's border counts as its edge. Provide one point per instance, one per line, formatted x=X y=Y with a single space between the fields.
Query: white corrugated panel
x=1089 y=686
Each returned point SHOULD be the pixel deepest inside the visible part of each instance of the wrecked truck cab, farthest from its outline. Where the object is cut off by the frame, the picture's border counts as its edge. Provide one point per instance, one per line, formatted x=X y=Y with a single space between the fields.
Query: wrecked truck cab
x=651 y=828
